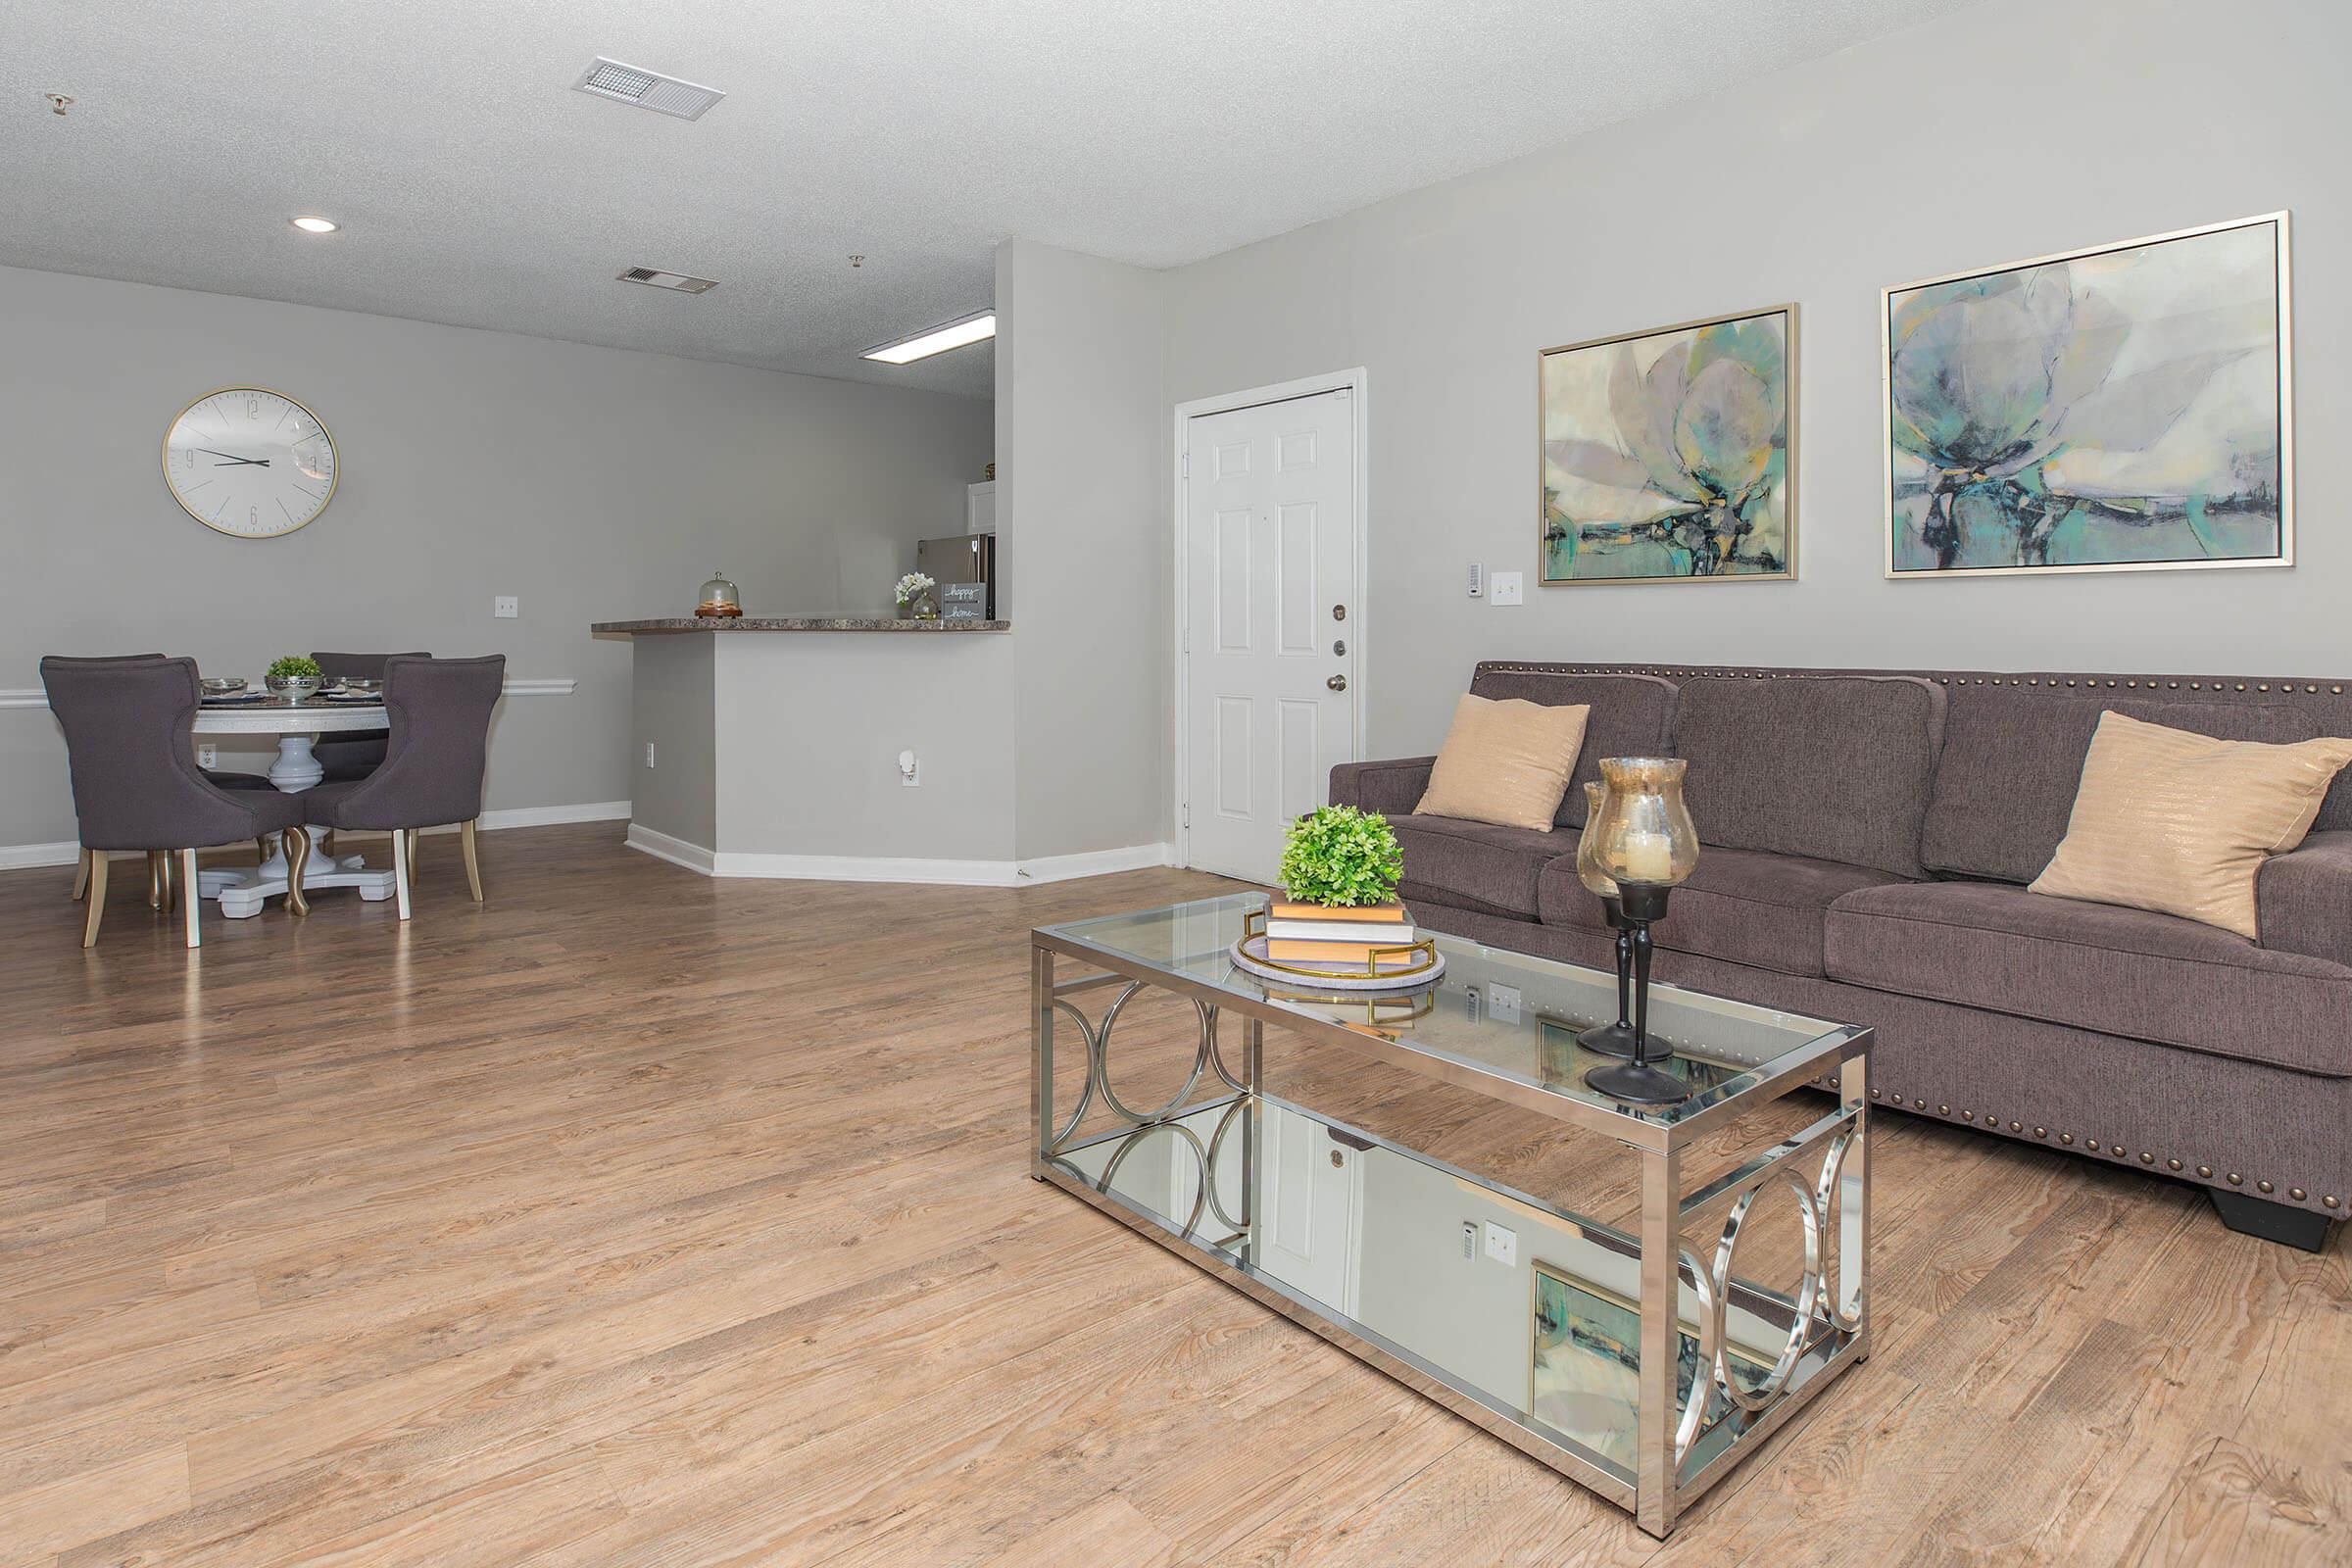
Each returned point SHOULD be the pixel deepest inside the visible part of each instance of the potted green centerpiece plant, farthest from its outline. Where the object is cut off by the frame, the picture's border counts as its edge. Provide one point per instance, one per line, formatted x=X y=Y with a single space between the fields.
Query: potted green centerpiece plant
x=1338 y=916
x=294 y=677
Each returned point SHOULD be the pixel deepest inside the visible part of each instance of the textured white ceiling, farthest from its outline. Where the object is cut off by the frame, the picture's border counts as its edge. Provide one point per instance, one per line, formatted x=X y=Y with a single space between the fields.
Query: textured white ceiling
x=476 y=189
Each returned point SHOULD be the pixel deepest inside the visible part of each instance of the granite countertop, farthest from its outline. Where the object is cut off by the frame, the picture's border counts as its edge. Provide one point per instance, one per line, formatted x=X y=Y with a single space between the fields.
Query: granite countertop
x=796 y=624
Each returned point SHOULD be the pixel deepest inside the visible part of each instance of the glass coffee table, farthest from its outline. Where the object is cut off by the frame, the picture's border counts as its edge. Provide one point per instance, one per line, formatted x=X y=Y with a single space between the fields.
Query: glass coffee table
x=1485 y=1292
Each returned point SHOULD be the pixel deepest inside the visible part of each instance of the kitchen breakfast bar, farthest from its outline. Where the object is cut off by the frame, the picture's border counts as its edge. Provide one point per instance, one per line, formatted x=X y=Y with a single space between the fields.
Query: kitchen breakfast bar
x=840 y=748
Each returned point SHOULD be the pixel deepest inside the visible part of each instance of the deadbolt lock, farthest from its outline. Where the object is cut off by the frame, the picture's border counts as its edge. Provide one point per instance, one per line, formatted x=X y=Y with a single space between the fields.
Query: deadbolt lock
x=1338 y=612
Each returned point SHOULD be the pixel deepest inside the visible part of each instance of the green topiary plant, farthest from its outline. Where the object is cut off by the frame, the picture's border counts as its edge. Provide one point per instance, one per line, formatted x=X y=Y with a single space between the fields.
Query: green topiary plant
x=1337 y=855
x=294 y=667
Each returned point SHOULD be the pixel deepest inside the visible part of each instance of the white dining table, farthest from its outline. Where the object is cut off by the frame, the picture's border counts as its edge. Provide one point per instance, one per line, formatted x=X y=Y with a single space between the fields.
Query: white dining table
x=296 y=725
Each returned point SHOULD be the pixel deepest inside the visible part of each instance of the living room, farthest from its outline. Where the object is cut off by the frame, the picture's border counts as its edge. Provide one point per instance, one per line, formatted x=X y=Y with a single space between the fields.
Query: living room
x=579 y=1095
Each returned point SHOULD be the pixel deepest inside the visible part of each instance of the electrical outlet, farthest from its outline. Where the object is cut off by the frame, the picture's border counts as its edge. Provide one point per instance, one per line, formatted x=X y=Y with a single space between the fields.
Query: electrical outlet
x=1503 y=1245
x=1502 y=1004
x=1478 y=579
x=208 y=757
x=1508 y=588
x=506 y=606
x=1469 y=1238
x=648 y=753
x=1470 y=1002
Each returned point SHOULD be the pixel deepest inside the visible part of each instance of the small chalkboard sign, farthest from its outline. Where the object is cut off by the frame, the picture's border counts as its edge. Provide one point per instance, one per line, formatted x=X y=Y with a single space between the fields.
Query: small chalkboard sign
x=963 y=600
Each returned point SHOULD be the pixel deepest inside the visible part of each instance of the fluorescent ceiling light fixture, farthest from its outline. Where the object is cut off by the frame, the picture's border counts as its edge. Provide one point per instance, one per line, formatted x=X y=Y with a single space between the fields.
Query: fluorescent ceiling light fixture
x=938 y=340
x=316 y=226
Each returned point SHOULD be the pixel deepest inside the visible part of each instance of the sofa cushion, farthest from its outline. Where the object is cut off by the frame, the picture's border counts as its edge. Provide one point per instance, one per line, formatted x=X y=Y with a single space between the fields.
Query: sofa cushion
x=2154 y=977
x=1740 y=906
x=2013 y=760
x=1476 y=866
x=1830 y=768
x=1633 y=715
x=1505 y=761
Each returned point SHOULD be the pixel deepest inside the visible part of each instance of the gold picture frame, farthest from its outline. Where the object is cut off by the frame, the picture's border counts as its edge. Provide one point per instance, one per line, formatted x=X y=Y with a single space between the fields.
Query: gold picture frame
x=1893 y=525
x=1660 y=495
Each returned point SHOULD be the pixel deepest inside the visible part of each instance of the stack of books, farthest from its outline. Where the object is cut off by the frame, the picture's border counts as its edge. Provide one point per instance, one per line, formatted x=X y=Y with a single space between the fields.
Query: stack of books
x=1317 y=937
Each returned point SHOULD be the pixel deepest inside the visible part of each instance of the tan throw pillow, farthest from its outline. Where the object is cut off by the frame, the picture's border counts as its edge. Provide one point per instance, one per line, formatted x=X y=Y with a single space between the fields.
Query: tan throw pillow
x=1505 y=763
x=2180 y=823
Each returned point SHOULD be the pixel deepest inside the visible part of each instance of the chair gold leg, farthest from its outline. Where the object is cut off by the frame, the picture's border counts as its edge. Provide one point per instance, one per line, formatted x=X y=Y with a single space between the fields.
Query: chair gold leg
x=90 y=927
x=473 y=863
x=156 y=896
x=298 y=857
x=81 y=877
x=190 y=895
x=400 y=872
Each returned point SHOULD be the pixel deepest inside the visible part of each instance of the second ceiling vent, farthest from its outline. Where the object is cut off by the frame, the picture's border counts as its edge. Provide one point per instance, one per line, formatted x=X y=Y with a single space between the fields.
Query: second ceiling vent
x=647 y=90
x=680 y=282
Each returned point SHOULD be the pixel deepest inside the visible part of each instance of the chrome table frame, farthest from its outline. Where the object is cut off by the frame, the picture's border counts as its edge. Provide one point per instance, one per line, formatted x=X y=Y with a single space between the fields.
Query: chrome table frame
x=1823 y=1163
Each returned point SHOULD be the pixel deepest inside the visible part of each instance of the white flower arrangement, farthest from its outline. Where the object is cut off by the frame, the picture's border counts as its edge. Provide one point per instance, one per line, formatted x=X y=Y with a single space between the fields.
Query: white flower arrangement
x=913 y=586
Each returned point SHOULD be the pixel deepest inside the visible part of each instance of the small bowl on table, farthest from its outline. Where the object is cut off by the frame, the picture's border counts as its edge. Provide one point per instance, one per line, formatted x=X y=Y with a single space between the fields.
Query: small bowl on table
x=221 y=685
x=295 y=689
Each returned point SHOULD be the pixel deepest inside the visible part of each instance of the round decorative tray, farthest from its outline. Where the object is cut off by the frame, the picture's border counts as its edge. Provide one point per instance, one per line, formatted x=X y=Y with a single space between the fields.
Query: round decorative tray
x=1249 y=954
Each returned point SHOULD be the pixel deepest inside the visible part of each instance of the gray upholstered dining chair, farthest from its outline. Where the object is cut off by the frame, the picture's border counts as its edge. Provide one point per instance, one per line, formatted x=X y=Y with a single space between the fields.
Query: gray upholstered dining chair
x=435 y=757
x=352 y=757
x=128 y=725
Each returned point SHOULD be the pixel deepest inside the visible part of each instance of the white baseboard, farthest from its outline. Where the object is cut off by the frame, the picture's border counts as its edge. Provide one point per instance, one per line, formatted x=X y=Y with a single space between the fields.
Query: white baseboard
x=554 y=815
x=893 y=868
x=677 y=852
x=1096 y=863
x=20 y=856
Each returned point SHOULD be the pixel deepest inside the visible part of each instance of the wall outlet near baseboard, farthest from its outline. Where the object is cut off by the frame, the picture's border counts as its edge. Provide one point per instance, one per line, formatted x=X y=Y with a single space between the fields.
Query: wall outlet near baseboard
x=208 y=757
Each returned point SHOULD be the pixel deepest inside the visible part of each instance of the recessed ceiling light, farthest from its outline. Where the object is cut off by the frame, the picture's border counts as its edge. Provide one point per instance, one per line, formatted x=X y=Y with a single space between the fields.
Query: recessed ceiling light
x=316 y=226
x=938 y=340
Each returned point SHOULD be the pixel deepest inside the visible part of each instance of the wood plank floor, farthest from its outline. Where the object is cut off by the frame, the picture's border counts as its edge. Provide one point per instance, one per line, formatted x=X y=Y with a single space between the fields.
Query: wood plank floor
x=639 y=1218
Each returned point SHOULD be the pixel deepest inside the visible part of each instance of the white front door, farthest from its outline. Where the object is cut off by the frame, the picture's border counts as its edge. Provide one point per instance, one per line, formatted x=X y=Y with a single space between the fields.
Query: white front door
x=1268 y=646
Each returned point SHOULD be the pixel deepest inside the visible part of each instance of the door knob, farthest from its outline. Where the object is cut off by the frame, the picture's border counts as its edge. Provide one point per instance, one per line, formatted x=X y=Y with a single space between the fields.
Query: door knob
x=1337 y=683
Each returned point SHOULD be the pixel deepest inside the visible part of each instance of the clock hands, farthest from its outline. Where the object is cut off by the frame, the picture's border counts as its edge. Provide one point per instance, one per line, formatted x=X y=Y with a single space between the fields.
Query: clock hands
x=251 y=463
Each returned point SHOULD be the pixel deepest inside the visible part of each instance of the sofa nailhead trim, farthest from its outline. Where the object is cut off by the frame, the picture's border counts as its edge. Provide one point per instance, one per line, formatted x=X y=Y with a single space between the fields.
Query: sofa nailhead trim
x=2146 y=1158
x=2016 y=1127
x=2042 y=1132
x=2092 y=1143
x=2263 y=1187
x=2330 y=1200
x=1968 y=1115
x=2205 y=1171
x=2171 y=1165
x=2067 y=1139
x=1944 y=1110
x=2235 y=1180
x=2297 y=1194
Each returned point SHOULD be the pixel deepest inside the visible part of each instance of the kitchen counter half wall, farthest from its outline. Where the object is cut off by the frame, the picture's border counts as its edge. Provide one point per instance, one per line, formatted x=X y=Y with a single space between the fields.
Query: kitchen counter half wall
x=794 y=623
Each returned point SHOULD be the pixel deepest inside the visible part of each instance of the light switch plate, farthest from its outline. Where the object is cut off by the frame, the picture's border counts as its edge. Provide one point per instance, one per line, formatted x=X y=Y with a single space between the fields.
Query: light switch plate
x=1502 y=1004
x=506 y=606
x=1502 y=1243
x=1507 y=588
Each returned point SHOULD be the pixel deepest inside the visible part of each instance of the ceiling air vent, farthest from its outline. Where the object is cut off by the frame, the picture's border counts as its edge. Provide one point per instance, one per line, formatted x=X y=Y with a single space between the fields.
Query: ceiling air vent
x=655 y=277
x=647 y=90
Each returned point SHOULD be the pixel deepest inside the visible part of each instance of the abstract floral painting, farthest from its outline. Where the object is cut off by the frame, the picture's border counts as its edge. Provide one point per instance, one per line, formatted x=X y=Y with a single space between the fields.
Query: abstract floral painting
x=2112 y=408
x=1669 y=455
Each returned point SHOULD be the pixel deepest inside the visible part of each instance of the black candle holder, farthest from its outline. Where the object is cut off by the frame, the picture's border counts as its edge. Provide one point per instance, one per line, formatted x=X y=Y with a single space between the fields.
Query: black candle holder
x=1616 y=1038
x=1636 y=1082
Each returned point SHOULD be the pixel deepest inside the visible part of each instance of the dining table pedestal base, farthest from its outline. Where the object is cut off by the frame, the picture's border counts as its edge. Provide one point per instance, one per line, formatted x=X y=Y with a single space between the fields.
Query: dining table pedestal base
x=240 y=892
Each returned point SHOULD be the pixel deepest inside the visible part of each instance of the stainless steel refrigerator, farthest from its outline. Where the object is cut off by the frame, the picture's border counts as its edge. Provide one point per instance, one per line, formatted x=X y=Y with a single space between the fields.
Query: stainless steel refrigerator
x=961 y=557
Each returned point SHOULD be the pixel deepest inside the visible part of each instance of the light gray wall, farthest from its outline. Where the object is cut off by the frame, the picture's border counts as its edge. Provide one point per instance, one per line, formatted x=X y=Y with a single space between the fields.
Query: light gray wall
x=2005 y=131
x=674 y=711
x=810 y=726
x=594 y=483
x=1083 y=481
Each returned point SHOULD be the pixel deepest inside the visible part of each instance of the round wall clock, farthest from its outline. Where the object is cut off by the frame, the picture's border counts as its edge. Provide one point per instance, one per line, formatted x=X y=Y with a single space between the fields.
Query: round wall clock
x=250 y=463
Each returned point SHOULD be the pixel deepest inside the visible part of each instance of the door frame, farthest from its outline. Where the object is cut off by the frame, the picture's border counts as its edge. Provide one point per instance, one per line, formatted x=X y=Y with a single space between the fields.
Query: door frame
x=1356 y=384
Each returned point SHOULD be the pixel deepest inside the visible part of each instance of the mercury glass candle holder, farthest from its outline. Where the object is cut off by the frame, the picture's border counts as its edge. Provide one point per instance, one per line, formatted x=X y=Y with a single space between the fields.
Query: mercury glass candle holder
x=1647 y=844
x=1606 y=1039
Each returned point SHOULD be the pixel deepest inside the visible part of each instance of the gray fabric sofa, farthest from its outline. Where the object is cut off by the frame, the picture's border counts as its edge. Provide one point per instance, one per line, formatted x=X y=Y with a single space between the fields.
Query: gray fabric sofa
x=1868 y=835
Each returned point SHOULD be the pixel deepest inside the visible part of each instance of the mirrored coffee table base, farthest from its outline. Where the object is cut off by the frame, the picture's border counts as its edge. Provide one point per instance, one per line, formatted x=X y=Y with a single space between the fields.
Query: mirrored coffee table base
x=1384 y=1250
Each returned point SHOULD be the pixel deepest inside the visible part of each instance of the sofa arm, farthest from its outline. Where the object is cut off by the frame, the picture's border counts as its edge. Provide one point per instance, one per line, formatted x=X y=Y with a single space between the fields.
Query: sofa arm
x=2303 y=899
x=1392 y=789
